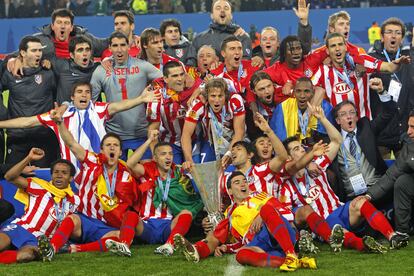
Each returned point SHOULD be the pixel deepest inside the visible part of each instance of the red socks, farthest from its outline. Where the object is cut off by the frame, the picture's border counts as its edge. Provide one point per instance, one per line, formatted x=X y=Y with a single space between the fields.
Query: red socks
x=376 y=219
x=8 y=257
x=249 y=257
x=62 y=234
x=202 y=249
x=181 y=227
x=352 y=241
x=319 y=226
x=127 y=230
x=96 y=246
x=277 y=227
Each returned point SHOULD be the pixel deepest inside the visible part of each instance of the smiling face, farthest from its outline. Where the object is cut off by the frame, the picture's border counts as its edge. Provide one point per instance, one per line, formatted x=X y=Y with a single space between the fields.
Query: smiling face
x=347 y=117
x=172 y=36
x=294 y=54
x=264 y=91
x=337 y=51
x=232 y=55
x=221 y=13
x=111 y=148
x=33 y=54
x=216 y=99
x=175 y=79
x=163 y=156
x=121 y=24
x=119 y=48
x=206 y=56
x=81 y=96
x=269 y=43
x=239 y=189
x=82 y=54
x=392 y=38
x=61 y=177
x=342 y=26
x=264 y=148
x=303 y=92
x=154 y=48
x=62 y=27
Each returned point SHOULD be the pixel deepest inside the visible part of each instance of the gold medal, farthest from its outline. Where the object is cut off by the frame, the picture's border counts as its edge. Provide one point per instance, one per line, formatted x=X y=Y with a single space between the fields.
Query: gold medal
x=308 y=200
x=111 y=202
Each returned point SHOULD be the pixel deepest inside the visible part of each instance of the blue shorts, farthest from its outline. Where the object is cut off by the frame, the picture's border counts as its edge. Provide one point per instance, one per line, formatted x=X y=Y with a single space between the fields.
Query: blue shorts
x=19 y=236
x=268 y=243
x=178 y=154
x=340 y=216
x=93 y=229
x=156 y=230
x=133 y=144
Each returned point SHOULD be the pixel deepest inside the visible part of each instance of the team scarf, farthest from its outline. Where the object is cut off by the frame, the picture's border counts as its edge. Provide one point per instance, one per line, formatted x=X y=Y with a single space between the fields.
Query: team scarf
x=291 y=119
x=58 y=194
x=181 y=195
x=101 y=186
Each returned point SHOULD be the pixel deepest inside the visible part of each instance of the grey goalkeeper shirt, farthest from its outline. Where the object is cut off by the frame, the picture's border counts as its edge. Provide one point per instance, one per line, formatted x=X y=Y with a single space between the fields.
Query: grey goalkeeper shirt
x=125 y=81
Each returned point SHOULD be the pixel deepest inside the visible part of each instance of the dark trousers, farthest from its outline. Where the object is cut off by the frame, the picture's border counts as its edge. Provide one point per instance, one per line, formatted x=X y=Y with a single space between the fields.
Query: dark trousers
x=6 y=210
x=403 y=202
x=18 y=148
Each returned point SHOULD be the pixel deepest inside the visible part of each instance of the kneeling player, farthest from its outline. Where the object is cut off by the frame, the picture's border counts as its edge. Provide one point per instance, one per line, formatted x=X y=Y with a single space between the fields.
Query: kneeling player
x=167 y=207
x=271 y=246
x=47 y=205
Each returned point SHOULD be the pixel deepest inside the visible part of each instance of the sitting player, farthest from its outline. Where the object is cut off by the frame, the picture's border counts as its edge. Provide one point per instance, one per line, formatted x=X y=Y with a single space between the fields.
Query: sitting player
x=167 y=207
x=47 y=204
x=271 y=246
x=300 y=189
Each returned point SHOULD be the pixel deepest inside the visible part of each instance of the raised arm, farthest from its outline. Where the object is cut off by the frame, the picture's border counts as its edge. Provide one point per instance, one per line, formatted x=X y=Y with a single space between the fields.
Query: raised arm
x=334 y=135
x=281 y=156
x=13 y=175
x=22 y=122
x=133 y=161
x=70 y=142
x=318 y=149
x=145 y=97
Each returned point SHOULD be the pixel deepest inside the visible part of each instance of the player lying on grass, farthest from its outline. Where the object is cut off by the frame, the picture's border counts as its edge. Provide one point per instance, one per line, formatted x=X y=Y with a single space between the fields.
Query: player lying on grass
x=47 y=204
x=300 y=189
x=271 y=246
x=168 y=203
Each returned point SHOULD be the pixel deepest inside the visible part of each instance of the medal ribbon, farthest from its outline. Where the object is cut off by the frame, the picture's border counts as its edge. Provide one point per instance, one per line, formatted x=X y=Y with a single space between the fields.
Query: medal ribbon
x=358 y=157
x=110 y=185
x=167 y=186
x=307 y=183
x=60 y=212
x=389 y=60
x=303 y=121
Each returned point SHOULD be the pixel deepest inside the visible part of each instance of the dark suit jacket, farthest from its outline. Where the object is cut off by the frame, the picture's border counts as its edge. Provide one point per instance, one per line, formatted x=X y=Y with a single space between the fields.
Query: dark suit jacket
x=367 y=132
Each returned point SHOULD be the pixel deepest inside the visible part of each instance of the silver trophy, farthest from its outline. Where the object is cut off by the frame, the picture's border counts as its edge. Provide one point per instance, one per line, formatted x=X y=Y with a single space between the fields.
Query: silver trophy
x=206 y=178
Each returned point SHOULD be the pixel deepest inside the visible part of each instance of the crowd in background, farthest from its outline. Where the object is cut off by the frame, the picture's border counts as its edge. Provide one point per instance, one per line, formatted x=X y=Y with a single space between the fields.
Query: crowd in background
x=43 y=8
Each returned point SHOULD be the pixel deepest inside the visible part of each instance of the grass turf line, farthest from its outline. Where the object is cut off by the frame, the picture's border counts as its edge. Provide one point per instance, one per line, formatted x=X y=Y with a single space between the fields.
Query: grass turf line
x=144 y=262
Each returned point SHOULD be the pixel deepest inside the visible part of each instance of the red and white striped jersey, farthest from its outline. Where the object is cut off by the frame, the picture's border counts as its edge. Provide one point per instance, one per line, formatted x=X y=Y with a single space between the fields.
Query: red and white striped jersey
x=324 y=200
x=40 y=217
x=337 y=90
x=237 y=80
x=86 y=181
x=199 y=112
x=87 y=127
x=147 y=189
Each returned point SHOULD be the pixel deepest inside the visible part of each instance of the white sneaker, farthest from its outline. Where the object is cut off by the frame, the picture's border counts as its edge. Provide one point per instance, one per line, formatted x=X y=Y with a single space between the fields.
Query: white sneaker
x=166 y=249
x=118 y=248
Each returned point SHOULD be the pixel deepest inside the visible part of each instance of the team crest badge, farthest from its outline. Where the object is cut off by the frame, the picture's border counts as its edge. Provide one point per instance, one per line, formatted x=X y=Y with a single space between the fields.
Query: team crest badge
x=179 y=53
x=308 y=73
x=38 y=79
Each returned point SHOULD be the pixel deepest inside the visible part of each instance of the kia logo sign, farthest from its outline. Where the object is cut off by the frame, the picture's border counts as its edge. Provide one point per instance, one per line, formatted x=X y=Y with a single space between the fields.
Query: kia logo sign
x=341 y=88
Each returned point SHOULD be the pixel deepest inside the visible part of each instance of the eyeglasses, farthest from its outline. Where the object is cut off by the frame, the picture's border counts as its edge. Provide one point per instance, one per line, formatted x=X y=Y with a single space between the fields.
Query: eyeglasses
x=388 y=32
x=351 y=113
